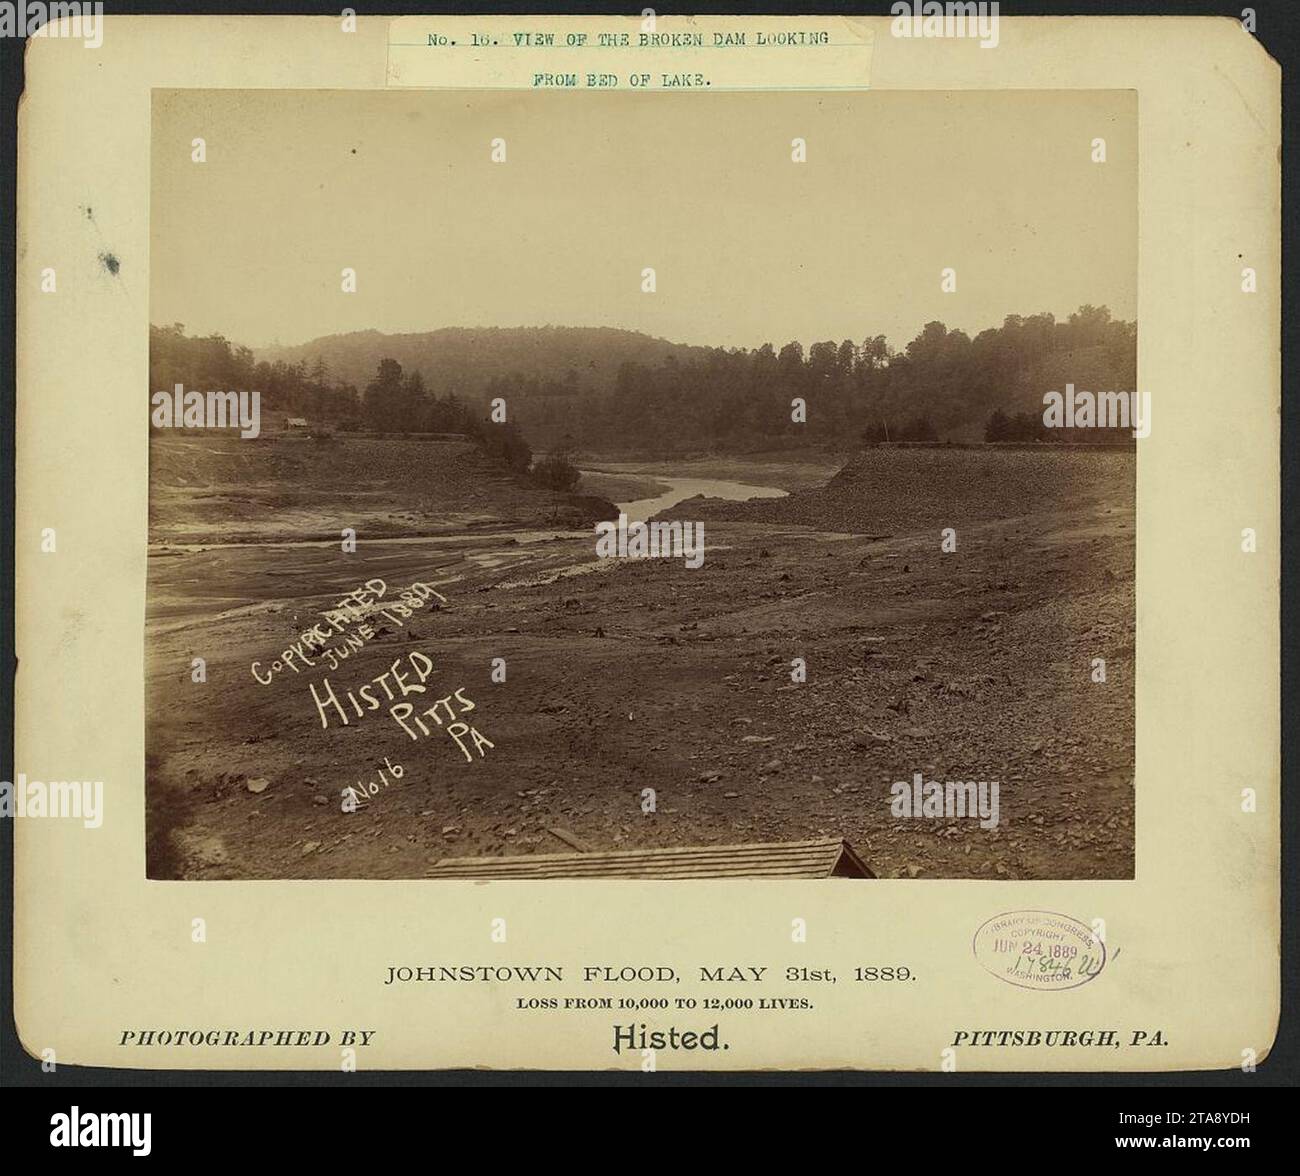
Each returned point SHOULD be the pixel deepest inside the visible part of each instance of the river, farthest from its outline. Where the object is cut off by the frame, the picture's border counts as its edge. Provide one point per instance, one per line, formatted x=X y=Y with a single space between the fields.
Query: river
x=680 y=489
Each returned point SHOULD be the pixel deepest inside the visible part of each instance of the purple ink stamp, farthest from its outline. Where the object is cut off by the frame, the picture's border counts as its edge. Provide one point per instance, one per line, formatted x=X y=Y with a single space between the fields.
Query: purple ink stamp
x=1039 y=949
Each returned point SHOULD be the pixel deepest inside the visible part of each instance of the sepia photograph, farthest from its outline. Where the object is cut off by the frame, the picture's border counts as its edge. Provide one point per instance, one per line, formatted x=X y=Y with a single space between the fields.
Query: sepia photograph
x=657 y=488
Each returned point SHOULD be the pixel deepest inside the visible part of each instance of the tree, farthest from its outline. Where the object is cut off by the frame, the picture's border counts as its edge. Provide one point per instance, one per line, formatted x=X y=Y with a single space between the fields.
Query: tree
x=556 y=471
x=998 y=426
x=383 y=395
x=505 y=443
x=412 y=409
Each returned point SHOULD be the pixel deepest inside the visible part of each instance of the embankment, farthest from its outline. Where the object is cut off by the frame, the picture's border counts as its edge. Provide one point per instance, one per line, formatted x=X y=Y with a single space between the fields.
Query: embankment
x=220 y=488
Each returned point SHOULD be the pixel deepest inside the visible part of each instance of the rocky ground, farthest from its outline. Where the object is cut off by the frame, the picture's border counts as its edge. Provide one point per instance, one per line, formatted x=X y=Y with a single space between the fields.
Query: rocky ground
x=622 y=676
x=208 y=488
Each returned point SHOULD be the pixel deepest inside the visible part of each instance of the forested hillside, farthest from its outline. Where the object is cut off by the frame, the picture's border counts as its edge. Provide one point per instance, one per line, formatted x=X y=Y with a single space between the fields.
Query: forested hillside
x=621 y=392
x=464 y=361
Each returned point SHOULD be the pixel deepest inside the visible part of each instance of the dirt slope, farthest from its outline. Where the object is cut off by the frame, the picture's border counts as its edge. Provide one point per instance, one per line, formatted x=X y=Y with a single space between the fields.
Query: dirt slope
x=221 y=488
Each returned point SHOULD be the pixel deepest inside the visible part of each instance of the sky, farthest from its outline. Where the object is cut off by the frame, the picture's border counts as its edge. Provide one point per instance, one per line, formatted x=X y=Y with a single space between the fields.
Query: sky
x=748 y=247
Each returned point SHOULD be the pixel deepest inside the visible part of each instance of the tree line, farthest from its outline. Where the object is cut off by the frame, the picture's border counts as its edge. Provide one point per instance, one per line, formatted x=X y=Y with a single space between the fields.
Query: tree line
x=943 y=385
x=393 y=402
x=212 y=362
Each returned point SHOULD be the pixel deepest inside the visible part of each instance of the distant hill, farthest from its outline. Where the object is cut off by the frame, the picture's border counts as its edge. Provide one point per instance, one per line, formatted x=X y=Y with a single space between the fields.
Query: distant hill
x=608 y=391
x=465 y=360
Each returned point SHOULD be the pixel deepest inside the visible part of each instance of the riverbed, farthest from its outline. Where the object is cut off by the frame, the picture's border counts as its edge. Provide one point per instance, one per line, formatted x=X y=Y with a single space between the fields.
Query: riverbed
x=680 y=489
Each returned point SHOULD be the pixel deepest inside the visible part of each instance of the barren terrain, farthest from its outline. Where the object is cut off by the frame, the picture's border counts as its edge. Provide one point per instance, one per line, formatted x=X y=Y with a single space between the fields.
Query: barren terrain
x=214 y=487
x=626 y=675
